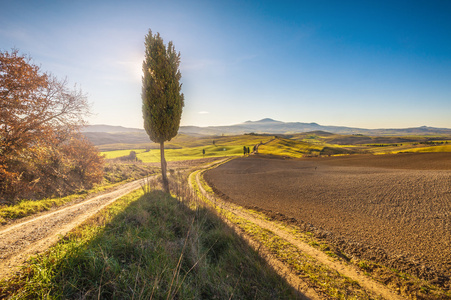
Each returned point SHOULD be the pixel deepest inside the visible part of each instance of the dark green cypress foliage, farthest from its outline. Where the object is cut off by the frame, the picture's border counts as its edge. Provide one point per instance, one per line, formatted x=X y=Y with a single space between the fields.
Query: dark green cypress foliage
x=161 y=93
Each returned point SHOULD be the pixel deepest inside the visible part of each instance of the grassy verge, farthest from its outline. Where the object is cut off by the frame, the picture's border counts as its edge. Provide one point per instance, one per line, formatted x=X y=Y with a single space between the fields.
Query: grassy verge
x=28 y=207
x=115 y=174
x=326 y=280
x=149 y=246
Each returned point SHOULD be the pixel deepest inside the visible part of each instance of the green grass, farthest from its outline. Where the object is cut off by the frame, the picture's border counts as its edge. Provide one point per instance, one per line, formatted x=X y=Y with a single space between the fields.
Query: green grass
x=329 y=281
x=288 y=147
x=441 y=148
x=296 y=148
x=28 y=207
x=318 y=275
x=300 y=146
x=114 y=175
x=184 y=147
x=120 y=153
x=149 y=246
x=186 y=153
x=188 y=141
x=296 y=145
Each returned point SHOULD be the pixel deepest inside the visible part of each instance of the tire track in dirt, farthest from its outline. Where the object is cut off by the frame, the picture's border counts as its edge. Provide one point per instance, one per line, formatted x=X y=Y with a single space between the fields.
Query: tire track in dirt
x=306 y=292
x=34 y=234
x=20 y=240
x=397 y=217
x=344 y=269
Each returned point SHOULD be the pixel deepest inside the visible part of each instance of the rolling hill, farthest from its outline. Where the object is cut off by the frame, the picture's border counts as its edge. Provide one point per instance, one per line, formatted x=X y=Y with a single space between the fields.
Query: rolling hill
x=277 y=127
x=105 y=134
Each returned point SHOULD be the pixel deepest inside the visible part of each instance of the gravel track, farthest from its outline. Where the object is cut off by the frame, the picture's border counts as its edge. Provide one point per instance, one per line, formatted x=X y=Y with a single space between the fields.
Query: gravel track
x=394 y=209
x=36 y=233
x=32 y=236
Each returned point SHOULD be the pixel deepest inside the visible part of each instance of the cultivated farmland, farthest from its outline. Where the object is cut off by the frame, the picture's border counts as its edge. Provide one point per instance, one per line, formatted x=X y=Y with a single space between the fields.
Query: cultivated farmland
x=391 y=209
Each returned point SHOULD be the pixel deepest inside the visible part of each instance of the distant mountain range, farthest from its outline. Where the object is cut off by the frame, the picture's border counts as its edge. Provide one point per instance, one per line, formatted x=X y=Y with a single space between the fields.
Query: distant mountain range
x=105 y=134
x=277 y=127
x=109 y=128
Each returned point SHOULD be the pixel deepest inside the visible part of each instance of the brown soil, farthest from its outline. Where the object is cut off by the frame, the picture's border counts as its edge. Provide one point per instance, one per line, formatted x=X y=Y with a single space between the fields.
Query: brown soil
x=393 y=209
x=307 y=289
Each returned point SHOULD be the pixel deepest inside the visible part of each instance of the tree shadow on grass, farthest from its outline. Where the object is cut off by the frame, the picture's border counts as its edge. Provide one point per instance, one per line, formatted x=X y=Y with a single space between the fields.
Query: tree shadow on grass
x=154 y=247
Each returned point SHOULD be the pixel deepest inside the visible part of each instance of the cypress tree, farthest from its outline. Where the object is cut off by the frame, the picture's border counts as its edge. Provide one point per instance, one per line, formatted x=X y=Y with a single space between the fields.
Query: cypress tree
x=161 y=94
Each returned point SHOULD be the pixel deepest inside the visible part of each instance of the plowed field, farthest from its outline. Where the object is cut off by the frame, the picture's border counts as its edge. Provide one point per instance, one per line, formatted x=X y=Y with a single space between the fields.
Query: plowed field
x=393 y=209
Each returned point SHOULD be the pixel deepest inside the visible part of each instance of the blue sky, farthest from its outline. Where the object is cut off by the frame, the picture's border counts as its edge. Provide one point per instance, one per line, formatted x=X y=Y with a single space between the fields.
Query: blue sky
x=372 y=64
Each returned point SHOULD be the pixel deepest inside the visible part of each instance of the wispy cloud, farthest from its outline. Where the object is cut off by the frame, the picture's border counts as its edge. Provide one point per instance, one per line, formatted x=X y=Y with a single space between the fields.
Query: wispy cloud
x=203 y=112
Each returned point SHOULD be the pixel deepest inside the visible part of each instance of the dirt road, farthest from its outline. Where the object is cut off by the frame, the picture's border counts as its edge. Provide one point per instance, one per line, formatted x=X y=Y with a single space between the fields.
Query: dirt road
x=392 y=209
x=34 y=235
x=371 y=286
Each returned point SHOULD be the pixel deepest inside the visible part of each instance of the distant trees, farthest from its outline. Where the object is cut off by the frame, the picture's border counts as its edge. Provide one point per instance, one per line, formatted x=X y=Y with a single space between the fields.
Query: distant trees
x=39 y=117
x=132 y=156
x=246 y=150
x=161 y=94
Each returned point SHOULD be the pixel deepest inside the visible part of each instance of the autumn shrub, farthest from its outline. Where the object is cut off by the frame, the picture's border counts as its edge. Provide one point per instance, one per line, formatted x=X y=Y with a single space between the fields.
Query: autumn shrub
x=41 y=153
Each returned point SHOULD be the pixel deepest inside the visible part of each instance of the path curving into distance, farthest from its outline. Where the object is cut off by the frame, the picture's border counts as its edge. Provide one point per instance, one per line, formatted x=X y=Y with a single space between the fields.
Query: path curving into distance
x=297 y=282
x=396 y=206
x=36 y=234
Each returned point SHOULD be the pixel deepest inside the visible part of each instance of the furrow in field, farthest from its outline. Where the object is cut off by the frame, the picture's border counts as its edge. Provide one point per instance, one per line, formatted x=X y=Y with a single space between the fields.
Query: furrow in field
x=344 y=269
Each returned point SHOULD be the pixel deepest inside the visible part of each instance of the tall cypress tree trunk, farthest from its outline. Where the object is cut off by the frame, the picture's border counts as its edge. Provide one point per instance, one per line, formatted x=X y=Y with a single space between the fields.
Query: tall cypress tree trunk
x=161 y=94
x=163 y=169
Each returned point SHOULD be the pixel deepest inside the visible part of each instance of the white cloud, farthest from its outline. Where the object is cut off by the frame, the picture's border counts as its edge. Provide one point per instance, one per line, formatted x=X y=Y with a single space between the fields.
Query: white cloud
x=203 y=112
